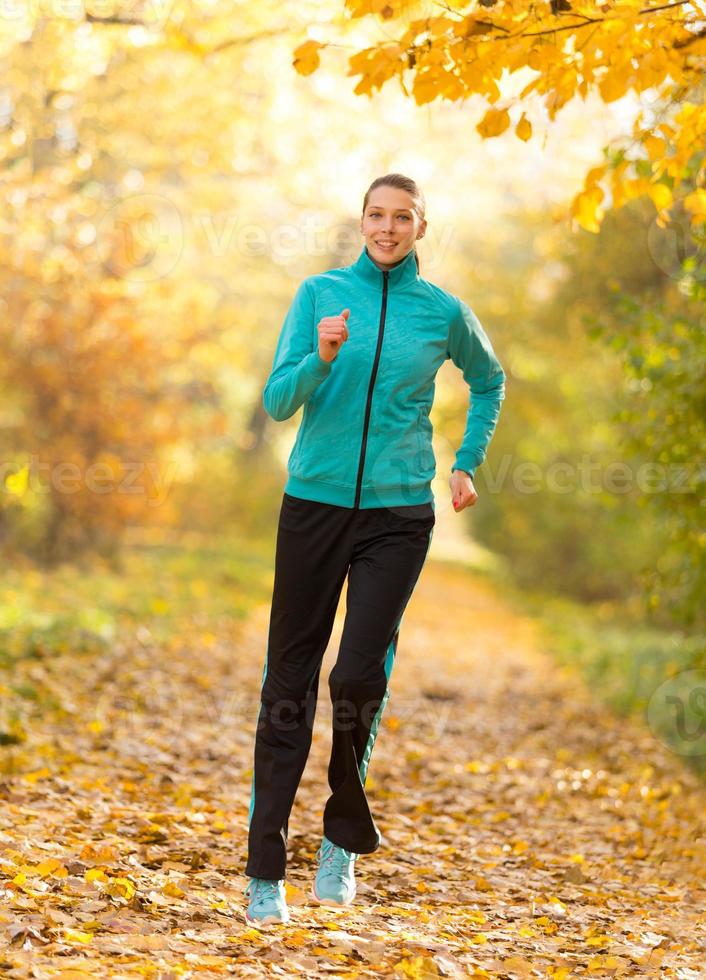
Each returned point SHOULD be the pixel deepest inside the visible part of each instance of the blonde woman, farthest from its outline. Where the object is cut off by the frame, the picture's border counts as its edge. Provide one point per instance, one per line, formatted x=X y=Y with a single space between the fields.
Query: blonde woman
x=359 y=349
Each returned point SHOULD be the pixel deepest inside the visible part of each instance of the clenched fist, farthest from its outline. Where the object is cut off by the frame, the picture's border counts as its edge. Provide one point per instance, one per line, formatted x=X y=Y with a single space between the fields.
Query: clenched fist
x=332 y=333
x=463 y=492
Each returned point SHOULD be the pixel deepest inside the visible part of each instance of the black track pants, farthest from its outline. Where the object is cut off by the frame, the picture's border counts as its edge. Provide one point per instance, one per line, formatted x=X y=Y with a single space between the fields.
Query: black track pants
x=382 y=550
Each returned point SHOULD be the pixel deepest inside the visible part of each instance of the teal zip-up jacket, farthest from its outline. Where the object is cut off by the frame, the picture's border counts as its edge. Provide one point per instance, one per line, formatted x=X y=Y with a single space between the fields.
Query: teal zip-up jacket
x=365 y=438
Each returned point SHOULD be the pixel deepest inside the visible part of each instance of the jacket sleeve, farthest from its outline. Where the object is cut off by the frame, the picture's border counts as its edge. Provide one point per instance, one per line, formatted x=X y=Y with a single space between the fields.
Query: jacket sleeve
x=297 y=369
x=471 y=351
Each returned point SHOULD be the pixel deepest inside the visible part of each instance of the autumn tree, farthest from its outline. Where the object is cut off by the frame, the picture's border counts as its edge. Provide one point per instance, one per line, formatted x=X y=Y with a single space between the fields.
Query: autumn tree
x=98 y=399
x=656 y=52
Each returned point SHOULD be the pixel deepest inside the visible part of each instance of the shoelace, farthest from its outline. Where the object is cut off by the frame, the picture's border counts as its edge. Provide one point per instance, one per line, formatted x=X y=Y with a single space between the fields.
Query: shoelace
x=334 y=858
x=263 y=889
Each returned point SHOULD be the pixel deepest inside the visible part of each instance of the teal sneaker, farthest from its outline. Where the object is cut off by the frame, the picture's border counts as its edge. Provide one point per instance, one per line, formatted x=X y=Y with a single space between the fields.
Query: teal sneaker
x=268 y=903
x=335 y=879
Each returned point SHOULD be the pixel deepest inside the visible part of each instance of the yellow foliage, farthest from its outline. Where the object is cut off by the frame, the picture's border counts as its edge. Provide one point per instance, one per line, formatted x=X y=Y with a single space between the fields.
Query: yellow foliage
x=524 y=128
x=120 y=888
x=306 y=57
x=75 y=936
x=586 y=208
x=172 y=890
x=17 y=483
x=612 y=49
x=98 y=853
x=655 y=146
x=383 y=8
x=417 y=967
x=494 y=122
x=661 y=195
x=96 y=874
x=426 y=911
x=51 y=867
x=695 y=203
x=426 y=86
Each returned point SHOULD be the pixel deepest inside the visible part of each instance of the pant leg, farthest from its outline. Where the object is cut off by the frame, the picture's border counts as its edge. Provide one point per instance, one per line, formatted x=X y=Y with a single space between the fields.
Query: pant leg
x=388 y=557
x=311 y=562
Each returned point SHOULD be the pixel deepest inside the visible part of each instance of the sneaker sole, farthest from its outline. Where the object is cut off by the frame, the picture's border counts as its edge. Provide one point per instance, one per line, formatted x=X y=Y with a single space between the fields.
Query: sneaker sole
x=267 y=923
x=330 y=901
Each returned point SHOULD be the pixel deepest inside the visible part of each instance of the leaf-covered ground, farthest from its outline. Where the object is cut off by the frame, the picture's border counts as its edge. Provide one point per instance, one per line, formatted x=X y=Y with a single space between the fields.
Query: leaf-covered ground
x=527 y=832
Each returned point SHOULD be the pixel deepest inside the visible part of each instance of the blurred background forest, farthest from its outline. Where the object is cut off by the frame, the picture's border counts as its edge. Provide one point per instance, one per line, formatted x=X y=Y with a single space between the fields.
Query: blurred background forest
x=169 y=175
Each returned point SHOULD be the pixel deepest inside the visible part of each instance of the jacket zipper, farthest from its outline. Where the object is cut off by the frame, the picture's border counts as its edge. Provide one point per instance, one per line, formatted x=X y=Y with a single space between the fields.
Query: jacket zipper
x=381 y=331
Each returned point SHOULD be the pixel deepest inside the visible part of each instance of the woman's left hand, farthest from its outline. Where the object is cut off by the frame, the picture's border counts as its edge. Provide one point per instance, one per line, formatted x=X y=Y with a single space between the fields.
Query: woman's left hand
x=463 y=493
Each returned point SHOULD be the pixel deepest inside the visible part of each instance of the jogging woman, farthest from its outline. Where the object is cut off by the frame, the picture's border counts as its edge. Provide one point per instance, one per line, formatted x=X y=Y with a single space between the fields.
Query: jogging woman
x=359 y=349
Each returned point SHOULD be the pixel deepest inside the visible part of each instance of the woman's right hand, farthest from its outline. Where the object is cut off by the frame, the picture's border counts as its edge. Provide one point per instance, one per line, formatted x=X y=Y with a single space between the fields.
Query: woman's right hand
x=332 y=333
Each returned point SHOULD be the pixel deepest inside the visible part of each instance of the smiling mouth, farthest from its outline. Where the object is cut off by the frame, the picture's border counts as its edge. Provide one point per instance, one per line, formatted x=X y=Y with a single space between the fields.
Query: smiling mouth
x=386 y=245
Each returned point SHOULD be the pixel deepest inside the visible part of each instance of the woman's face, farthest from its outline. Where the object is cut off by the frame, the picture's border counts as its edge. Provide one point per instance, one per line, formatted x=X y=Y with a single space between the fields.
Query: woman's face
x=390 y=225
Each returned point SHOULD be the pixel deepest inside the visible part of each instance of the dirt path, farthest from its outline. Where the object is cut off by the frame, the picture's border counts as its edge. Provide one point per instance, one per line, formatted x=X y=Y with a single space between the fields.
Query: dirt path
x=528 y=833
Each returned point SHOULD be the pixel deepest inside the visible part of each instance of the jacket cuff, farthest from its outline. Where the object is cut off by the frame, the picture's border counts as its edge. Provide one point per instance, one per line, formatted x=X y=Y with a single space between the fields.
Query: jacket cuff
x=467 y=467
x=316 y=366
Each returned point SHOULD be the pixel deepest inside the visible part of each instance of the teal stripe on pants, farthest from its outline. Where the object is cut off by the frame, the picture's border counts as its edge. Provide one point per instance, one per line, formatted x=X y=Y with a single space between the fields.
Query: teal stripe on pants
x=252 y=785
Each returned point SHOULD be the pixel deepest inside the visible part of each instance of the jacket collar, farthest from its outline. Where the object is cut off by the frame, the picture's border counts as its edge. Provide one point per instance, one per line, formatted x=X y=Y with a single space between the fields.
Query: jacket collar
x=400 y=275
